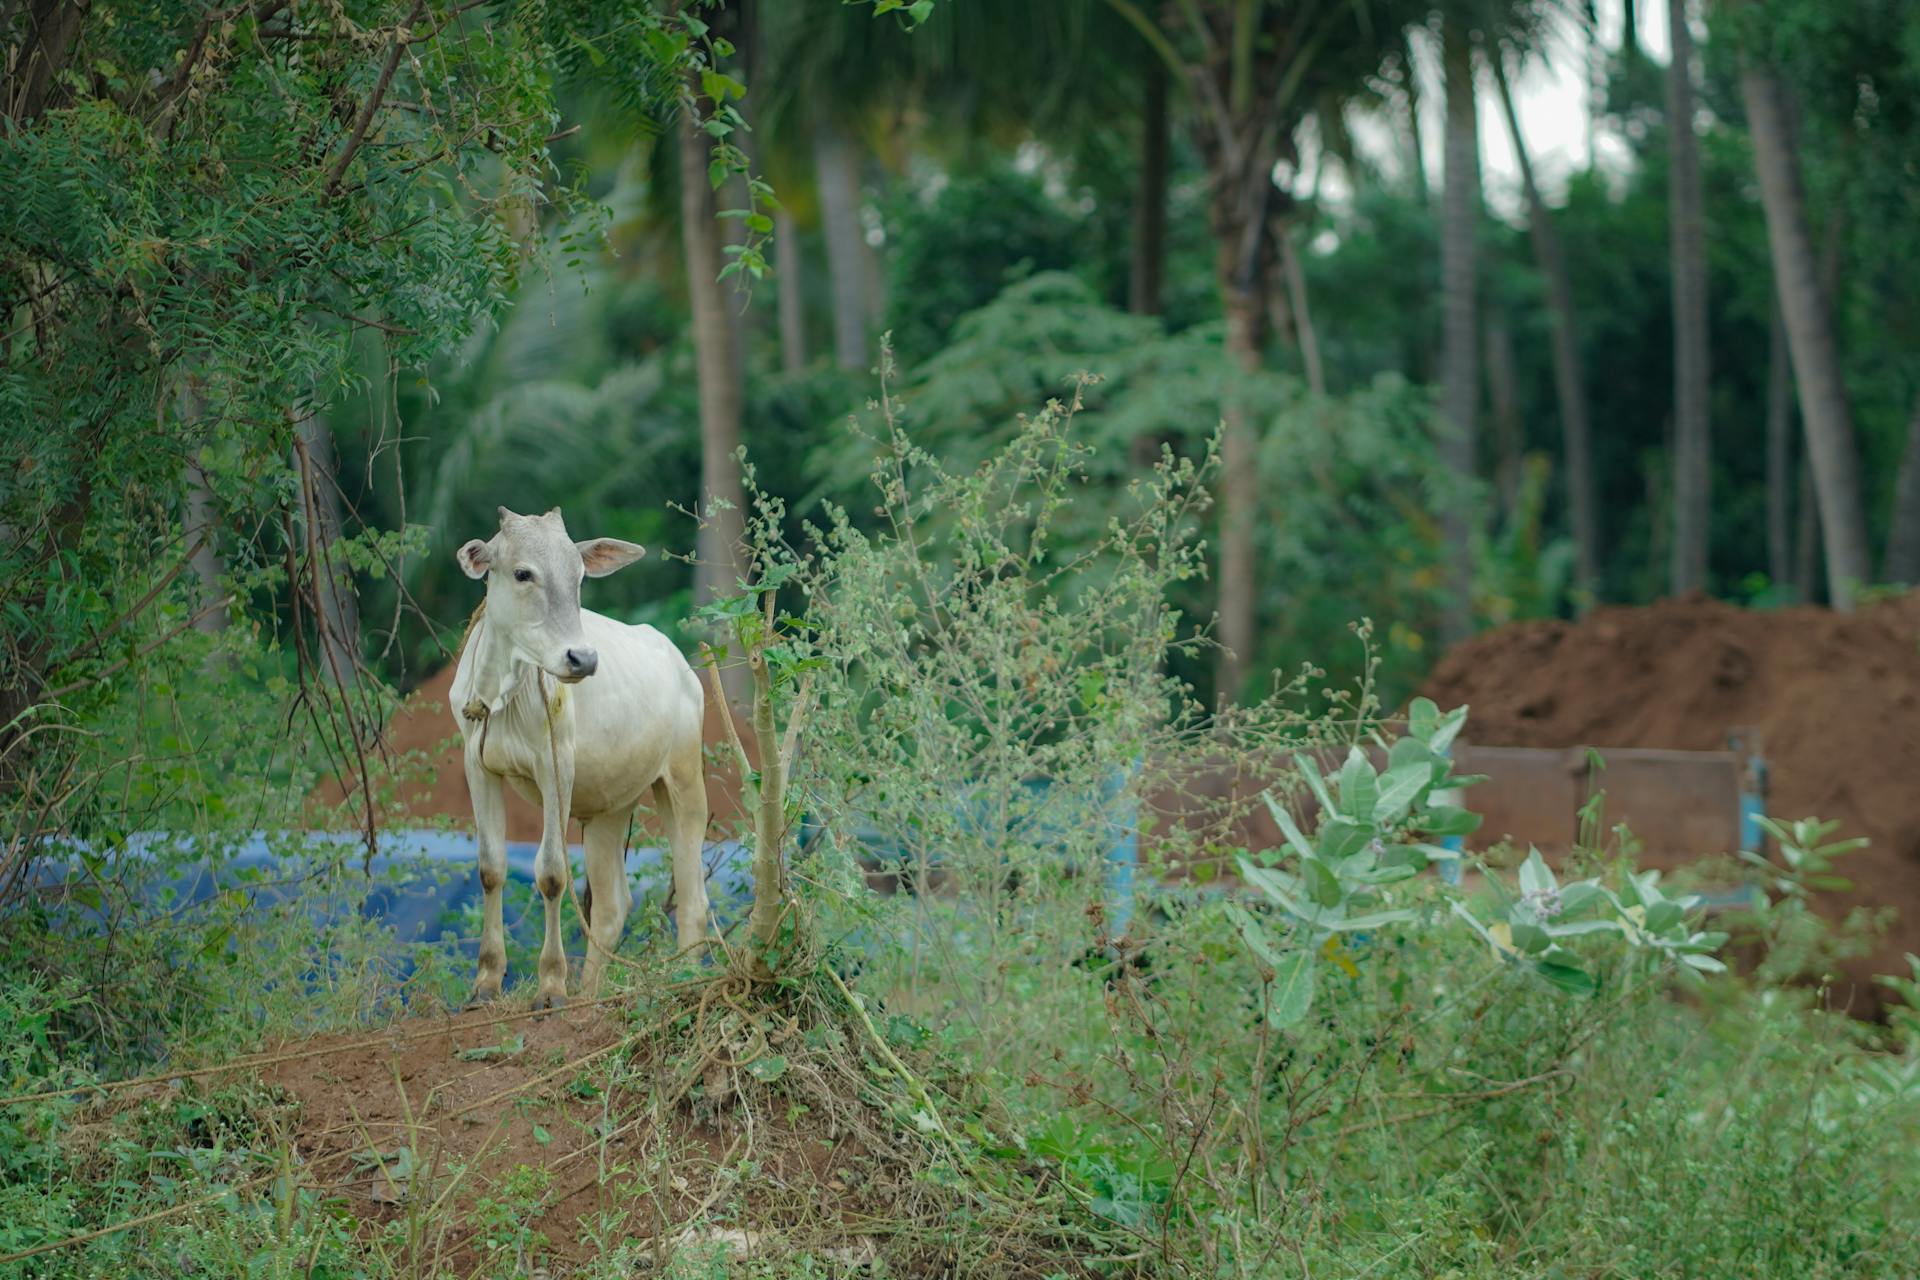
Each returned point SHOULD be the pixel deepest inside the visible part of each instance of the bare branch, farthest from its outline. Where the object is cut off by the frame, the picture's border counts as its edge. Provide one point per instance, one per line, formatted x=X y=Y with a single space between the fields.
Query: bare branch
x=372 y=105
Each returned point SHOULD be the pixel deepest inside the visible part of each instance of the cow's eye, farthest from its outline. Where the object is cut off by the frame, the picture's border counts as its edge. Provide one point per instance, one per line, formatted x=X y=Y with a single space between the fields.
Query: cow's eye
x=523 y=575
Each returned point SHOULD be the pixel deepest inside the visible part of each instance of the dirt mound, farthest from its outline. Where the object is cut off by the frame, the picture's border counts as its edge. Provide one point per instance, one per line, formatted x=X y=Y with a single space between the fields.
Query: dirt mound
x=1835 y=699
x=700 y=1118
x=424 y=725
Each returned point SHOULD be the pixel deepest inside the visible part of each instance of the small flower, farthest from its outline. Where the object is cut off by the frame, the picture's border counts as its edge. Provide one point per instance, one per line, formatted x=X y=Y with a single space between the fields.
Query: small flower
x=1545 y=903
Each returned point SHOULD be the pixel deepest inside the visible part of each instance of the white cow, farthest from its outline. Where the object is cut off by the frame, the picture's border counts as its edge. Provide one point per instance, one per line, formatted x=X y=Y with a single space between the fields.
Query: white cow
x=591 y=751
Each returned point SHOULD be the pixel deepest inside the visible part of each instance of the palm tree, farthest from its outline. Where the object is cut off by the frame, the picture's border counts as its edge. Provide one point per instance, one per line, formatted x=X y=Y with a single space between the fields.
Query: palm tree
x=836 y=167
x=1780 y=470
x=1149 y=250
x=717 y=365
x=787 y=270
x=1459 y=362
x=1569 y=377
x=1902 y=560
x=1826 y=416
x=1251 y=71
x=1692 y=474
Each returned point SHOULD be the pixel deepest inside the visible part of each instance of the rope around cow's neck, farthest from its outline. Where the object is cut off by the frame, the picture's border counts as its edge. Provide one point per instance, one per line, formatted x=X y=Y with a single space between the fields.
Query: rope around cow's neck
x=566 y=861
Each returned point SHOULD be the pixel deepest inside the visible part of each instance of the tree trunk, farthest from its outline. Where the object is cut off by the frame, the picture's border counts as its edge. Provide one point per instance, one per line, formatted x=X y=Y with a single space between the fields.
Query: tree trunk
x=1506 y=414
x=1780 y=473
x=722 y=504
x=1460 y=364
x=1806 y=549
x=873 y=276
x=1902 y=562
x=1596 y=68
x=332 y=579
x=27 y=85
x=793 y=308
x=837 y=173
x=202 y=525
x=1240 y=216
x=1569 y=375
x=1150 y=199
x=1825 y=414
x=1692 y=461
x=1630 y=28
x=1303 y=330
x=1239 y=495
x=1416 y=157
x=202 y=522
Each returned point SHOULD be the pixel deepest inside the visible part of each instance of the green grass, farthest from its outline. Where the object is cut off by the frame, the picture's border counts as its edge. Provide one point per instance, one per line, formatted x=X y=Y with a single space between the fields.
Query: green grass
x=1437 y=1113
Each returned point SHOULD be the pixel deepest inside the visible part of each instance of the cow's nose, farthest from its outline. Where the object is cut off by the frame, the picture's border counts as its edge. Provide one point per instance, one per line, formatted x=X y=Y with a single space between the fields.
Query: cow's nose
x=582 y=662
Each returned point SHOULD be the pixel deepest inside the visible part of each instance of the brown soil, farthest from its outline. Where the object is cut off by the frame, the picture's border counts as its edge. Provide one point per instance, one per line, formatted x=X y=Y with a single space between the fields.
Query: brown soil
x=424 y=725
x=561 y=1122
x=1835 y=699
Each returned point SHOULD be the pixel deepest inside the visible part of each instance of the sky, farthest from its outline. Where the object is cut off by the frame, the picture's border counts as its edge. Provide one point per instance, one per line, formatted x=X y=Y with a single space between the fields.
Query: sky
x=1551 y=93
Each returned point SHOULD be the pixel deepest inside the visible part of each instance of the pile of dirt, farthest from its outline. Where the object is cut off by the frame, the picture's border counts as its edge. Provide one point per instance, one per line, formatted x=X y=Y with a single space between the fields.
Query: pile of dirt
x=424 y=725
x=704 y=1119
x=1834 y=698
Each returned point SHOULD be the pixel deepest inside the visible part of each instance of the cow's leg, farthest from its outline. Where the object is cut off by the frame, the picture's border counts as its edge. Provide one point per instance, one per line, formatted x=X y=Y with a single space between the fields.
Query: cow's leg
x=686 y=813
x=606 y=839
x=551 y=872
x=490 y=826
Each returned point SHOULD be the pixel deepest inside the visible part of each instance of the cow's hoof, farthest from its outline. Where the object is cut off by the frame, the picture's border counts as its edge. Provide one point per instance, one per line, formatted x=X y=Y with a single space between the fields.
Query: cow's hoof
x=479 y=1000
x=546 y=1001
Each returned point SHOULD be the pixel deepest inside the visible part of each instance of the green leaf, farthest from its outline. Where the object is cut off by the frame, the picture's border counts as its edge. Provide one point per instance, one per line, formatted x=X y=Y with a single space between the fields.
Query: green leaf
x=1449 y=820
x=769 y=1068
x=1292 y=993
x=1529 y=937
x=1254 y=935
x=1342 y=837
x=1460 y=909
x=1386 y=873
x=1577 y=928
x=1277 y=885
x=1579 y=894
x=594 y=55
x=1322 y=885
x=1291 y=830
x=1662 y=916
x=1359 y=786
x=1535 y=877
x=481 y=1053
x=1448 y=728
x=1569 y=978
x=1368 y=920
x=1315 y=783
x=1400 y=786
x=1704 y=963
x=1423 y=717
x=541 y=1136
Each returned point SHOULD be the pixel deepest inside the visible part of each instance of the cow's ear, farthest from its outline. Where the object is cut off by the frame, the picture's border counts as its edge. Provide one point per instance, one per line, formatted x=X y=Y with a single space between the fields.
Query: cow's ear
x=603 y=555
x=475 y=558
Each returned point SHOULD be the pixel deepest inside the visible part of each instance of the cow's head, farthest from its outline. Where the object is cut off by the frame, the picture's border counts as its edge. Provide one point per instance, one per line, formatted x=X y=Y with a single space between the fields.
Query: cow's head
x=533 y=571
